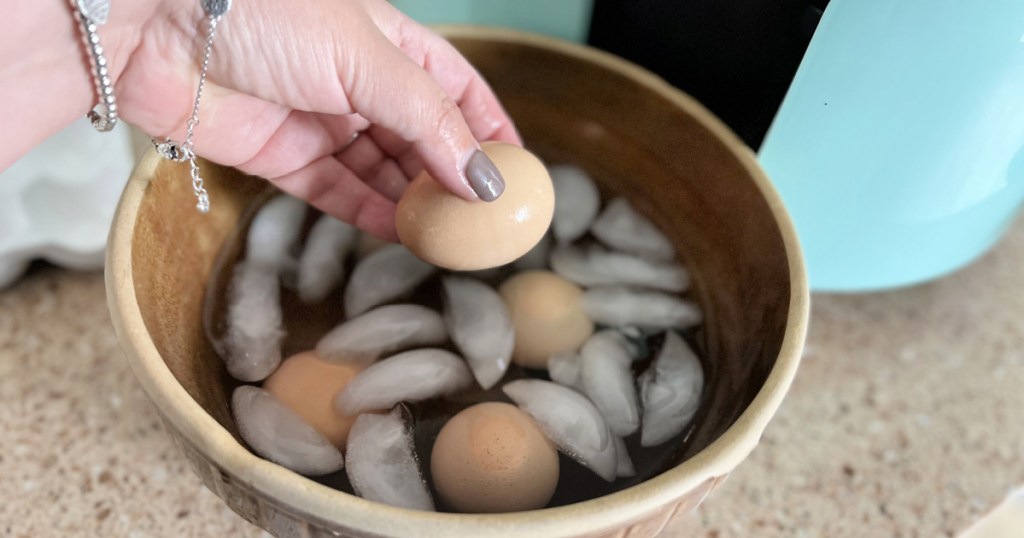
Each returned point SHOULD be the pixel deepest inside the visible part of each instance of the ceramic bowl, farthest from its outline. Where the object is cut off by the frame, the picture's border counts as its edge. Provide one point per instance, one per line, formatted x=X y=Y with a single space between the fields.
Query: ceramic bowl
x=638 y=137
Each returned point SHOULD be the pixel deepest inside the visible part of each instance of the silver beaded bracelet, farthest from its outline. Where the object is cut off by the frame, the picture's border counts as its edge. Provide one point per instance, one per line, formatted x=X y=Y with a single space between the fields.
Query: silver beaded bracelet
x=92 y=14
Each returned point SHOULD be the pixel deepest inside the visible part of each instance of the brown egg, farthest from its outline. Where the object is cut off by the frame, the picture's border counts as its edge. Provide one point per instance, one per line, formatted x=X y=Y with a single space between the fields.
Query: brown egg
x=547 y=312
x=307 y=385
x=492 y=457
x=448 y=231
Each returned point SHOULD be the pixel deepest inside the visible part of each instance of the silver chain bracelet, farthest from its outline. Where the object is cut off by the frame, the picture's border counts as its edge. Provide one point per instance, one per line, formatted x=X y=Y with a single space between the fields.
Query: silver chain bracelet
x=185 y=151
x=92 y=14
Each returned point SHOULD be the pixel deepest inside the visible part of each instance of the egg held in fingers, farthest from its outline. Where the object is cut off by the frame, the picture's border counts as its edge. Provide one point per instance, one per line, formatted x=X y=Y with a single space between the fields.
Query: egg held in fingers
x=467 y=235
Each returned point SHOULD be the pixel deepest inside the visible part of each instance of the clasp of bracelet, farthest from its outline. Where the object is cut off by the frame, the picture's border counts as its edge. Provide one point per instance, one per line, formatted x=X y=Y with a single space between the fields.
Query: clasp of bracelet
x=171 y=150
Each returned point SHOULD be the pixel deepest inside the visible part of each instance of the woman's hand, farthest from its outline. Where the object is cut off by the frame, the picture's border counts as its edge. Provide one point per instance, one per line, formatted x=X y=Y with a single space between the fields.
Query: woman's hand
x=339 y=102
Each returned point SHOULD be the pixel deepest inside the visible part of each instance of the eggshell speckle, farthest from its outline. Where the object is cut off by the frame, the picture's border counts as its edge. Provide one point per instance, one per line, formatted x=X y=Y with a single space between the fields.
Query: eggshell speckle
x=492 y=457
x=547 y=312
x=462 y=235
x=307 y=385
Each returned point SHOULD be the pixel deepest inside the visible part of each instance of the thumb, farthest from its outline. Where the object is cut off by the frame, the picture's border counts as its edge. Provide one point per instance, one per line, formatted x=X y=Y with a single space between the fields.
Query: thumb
x=394 y=92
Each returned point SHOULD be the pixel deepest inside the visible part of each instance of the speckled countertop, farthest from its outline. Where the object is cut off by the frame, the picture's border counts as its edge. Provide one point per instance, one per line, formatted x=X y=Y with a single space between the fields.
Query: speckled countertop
x=906 y=419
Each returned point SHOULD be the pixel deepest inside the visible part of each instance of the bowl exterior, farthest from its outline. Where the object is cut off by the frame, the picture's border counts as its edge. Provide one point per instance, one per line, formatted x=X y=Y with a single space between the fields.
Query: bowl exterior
x=281 y=520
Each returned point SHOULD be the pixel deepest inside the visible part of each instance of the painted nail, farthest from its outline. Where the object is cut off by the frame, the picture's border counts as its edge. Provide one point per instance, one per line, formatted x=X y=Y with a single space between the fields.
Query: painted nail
x=484 y=178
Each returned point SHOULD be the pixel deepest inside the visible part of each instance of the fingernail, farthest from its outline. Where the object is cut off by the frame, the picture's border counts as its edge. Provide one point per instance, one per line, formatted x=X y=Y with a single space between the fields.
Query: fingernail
x=484 y=178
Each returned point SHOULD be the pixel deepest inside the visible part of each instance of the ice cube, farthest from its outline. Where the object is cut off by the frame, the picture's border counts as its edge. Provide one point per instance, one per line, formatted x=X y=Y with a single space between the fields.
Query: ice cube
x=564 y=369
x=635 y=340
x=569 y=420
x=619 y=306
x=480 y=325
x=624 y=464
x=576 y=202
x=276 y=433
x=382 y=331
x=274 y=233
x=251 y=346
x=594 y=265
x=322 y=264
x=381 y=462
x=622 y=228
x=387 y=274
x=606 y=374
x=410 y=376
x=536 y=257
x=670 y=391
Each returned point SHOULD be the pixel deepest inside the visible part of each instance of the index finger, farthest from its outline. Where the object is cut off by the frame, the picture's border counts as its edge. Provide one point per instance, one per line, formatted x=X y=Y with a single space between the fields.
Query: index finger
x=486 y=117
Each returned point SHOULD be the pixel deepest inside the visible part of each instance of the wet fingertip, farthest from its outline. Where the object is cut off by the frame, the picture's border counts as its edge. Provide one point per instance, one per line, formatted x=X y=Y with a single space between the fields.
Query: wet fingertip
x=483 y=177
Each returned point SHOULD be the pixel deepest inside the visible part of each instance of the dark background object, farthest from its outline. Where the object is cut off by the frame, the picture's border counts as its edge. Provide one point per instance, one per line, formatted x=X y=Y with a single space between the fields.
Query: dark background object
x=737 y=57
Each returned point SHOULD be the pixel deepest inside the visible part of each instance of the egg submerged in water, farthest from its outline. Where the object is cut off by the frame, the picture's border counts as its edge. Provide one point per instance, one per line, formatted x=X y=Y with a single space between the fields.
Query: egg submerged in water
x=462 y=235
x=547 y=312
x=307 y=384
x=492 y=457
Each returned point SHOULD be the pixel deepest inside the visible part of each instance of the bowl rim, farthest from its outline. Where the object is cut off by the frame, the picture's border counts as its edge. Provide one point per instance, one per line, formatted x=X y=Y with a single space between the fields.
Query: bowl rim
x=335 y=508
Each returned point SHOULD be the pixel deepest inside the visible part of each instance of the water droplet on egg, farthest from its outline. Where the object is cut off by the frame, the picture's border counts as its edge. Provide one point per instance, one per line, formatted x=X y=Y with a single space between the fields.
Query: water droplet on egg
x=465 y=235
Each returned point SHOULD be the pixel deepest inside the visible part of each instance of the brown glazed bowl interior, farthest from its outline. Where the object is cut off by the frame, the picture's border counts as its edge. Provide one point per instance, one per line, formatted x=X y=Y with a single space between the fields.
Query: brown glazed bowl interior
x=639 y=138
